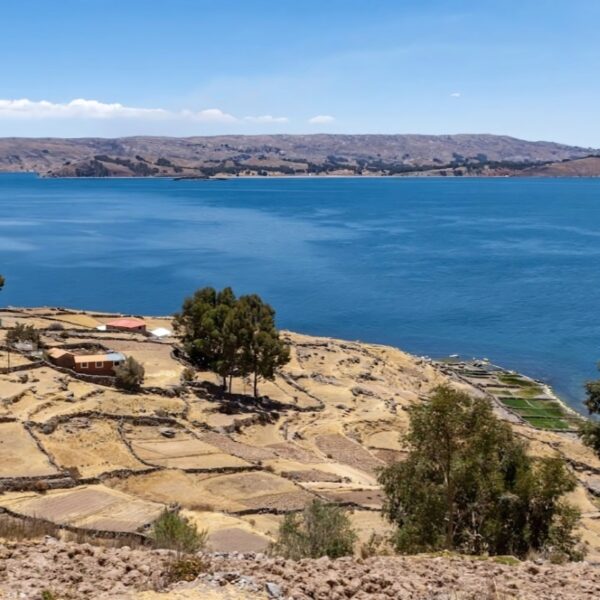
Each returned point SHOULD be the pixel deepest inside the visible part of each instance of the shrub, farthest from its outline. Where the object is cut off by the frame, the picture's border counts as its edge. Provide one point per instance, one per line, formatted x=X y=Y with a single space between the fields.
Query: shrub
x=129 y=374
x=188 y=374
x=376 y=545
x=23 y=333
x=320 y=530
x=186 y=569
x=55 y=327
x=174 y=532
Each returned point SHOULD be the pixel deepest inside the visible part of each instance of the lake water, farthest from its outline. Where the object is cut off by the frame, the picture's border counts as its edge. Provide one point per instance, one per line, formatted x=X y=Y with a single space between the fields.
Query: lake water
x=501 y=268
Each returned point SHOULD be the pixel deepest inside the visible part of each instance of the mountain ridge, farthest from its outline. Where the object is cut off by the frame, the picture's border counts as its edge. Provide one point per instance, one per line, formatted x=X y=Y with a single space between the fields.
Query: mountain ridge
x=283 y=154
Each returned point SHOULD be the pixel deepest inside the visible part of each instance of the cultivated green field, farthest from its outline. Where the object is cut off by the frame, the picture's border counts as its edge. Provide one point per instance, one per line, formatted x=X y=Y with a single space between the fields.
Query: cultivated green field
x=544 y=414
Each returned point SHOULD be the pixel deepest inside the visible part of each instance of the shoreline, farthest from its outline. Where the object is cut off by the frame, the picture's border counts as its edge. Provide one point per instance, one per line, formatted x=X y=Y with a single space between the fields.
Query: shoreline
x=451 y=365
x=263 y=178
x=531 y=401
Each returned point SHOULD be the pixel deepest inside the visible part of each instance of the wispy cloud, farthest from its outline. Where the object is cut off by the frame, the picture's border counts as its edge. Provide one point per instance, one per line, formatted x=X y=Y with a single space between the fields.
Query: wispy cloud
x=455 y=95
x=267 y=119
x=81 y=108
x=321 y=119
x=208 y=115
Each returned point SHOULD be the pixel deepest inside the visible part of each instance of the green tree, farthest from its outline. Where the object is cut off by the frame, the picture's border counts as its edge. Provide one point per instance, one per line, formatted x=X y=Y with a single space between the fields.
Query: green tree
x=262 y=350
x=208 y=338
x=129 y=375
x=320 y=530
x=469 y=485
x=590 y=430
x=231 y=336
x=2 y=282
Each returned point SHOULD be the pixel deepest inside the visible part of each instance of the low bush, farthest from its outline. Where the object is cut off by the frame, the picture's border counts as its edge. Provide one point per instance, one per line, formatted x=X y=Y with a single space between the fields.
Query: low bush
x=188 y=374
x=174 y=532
x=320 y=530
x=376 y=545
x=23 y=333
x=129 y=375
x=186 y=569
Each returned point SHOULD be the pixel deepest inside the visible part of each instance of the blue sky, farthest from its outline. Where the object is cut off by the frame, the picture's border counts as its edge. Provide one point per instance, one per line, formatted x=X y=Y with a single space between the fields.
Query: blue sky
x=182 y=67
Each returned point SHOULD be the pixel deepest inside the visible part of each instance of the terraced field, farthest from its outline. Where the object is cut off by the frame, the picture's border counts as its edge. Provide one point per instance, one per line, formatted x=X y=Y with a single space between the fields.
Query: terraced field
x=89 y=457
x=524 y=397
x=88 y=507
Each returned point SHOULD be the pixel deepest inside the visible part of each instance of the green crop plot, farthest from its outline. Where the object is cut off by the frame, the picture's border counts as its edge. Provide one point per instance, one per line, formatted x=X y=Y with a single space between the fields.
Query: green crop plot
x=548 y=423
x=516 y=403
x=528 y=388
x=543 y=414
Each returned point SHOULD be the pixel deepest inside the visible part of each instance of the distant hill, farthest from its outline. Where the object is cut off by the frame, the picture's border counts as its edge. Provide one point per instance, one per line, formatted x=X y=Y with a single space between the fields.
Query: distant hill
x=580 y=167
x=323 y=154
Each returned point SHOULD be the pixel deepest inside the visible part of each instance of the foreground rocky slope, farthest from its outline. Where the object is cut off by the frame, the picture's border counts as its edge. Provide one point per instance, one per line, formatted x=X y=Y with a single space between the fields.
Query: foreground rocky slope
x=81 y=571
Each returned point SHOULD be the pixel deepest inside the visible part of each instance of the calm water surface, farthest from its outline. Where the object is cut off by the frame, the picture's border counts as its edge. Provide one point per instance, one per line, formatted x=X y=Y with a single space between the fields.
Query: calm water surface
x=501 y=268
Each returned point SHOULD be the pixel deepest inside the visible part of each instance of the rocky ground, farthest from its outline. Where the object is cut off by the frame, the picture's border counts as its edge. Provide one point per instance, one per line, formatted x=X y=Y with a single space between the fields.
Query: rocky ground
x=66 y=571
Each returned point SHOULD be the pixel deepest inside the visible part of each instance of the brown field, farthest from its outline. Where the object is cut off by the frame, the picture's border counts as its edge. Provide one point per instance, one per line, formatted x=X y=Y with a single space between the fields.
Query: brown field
x=14 y=360
x=19 y=454
x=87 y=507
x=93 y=446
x=183 y=451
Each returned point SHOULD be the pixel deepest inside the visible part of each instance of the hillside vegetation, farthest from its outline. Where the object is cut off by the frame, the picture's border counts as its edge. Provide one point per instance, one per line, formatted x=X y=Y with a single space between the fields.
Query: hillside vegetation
x=264 y=155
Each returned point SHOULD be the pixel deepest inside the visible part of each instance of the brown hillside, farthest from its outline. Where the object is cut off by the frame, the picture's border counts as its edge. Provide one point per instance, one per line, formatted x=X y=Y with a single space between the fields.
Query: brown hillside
x=270 y=154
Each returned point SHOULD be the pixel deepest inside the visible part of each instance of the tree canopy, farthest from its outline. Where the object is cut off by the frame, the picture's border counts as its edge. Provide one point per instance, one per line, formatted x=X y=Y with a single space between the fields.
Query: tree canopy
x=469 y=485
x=231 y=336
x=2 y=282
x=590 y=430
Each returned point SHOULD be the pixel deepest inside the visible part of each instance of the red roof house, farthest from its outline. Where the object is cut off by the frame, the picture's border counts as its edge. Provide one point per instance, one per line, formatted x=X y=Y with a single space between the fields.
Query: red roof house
x=126 y=324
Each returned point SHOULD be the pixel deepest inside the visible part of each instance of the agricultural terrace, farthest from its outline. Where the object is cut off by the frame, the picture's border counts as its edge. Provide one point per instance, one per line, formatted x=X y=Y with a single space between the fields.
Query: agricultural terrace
x=91 y=458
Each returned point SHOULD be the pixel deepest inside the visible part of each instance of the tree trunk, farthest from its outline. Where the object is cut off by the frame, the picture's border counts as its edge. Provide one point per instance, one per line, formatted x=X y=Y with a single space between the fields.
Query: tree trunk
x=450 y=515
x=449 y=497
x=255 y=384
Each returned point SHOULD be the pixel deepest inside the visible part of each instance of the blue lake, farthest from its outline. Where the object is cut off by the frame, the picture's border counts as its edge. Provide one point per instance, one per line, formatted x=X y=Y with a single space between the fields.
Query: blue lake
x=499 y=268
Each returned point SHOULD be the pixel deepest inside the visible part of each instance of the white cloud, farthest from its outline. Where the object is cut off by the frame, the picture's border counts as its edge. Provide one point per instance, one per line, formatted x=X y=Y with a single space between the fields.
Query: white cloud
x=209 y=115
x=79 y=108
x=321 y=119
x=455 y=95
x=267 y=119
x=25 y=109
